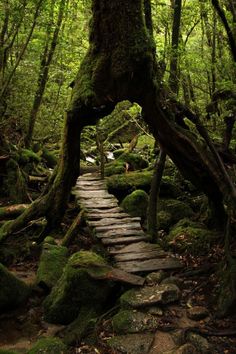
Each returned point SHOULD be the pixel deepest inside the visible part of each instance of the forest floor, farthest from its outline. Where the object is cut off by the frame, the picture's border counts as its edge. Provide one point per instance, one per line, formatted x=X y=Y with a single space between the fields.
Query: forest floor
x=20 y=328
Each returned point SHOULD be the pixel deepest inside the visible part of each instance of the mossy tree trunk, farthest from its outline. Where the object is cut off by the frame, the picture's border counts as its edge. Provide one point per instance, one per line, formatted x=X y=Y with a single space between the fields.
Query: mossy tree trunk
x=120 y=64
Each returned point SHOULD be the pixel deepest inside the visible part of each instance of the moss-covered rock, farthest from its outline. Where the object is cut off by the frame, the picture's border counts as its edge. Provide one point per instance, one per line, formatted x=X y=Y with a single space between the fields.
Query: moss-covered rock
x=176 y=208
x=13 y=291
x=80 y=285
x=49 y=345
x=122 y=185
x=52 y=261
x=118 y=166
x=191 y=236
x=136 y=203
x=132 y=321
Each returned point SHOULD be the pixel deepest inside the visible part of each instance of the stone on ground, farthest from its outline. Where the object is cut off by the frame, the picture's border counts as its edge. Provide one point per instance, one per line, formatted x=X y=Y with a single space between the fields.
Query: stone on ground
x=132 y=321
x=132 y=343
x=148 y=296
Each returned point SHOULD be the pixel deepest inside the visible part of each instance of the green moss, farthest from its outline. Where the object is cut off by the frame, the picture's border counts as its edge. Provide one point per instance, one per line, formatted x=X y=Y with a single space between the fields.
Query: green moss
x=13 y=291
x=27 y=156
x=49 y=346
x=122 y=321
x=192 y=237
x=128 y=182
x=49 y=157
x=50 y=239
x=3 y=351
x=135 y=161
x=136 y=203
x=176 y=208
x=51 y=264
x=78 y=286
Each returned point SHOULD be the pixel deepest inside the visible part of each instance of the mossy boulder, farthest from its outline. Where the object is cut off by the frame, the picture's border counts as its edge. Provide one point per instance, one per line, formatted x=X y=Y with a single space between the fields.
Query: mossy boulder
x=118 y=166
x=136 y=203
x=52 y=261
x=81 y=284
x=124 y=184
x=191 y=236
x=176 y=208
x=49 y=345
x=13 y=291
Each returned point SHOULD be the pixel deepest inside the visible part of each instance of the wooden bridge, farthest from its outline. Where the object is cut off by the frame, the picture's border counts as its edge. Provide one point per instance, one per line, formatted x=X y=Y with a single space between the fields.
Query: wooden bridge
x=121 y=234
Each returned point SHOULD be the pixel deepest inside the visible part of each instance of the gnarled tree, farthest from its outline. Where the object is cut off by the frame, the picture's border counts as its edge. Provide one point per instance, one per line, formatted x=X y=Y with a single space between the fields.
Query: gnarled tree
x=121 y=64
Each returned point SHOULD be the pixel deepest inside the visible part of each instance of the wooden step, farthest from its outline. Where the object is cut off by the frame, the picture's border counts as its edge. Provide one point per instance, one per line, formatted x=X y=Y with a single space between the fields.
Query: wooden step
x=131 y=226
x=109 y=221
x=135 y=247
x=142 y=255
x=123 y=240
x=149 y=265
x=120 y=233
x=102 y=215
x=88 y=204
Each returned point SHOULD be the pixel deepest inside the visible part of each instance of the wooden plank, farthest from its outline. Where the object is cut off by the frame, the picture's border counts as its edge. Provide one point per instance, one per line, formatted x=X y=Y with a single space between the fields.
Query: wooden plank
x=120 y=233
x=123 y=240
x=150 y=265
x=117 y=274
x=98 y=200
x=95 y=205
x=101 y=215
x=94 y=194
x=125 y=226
x=109 y=221
x=90 y=177
x=116 y=210
x=136 y=247
x=136 y=256
x=90 y=188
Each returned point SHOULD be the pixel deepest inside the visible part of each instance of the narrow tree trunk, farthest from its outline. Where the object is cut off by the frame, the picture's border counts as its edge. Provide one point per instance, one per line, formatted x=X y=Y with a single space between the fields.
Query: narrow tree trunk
x=43 y=74
x=154 y=196
x=174 y=77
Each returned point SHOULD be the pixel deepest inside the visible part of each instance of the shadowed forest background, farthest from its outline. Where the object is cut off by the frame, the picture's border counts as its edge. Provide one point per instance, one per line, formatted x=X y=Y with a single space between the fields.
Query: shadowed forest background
x=143 y=94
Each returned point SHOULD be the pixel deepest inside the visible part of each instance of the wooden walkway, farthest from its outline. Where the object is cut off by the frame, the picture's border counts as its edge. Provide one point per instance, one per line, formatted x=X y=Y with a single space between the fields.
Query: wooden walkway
x=120 y=233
